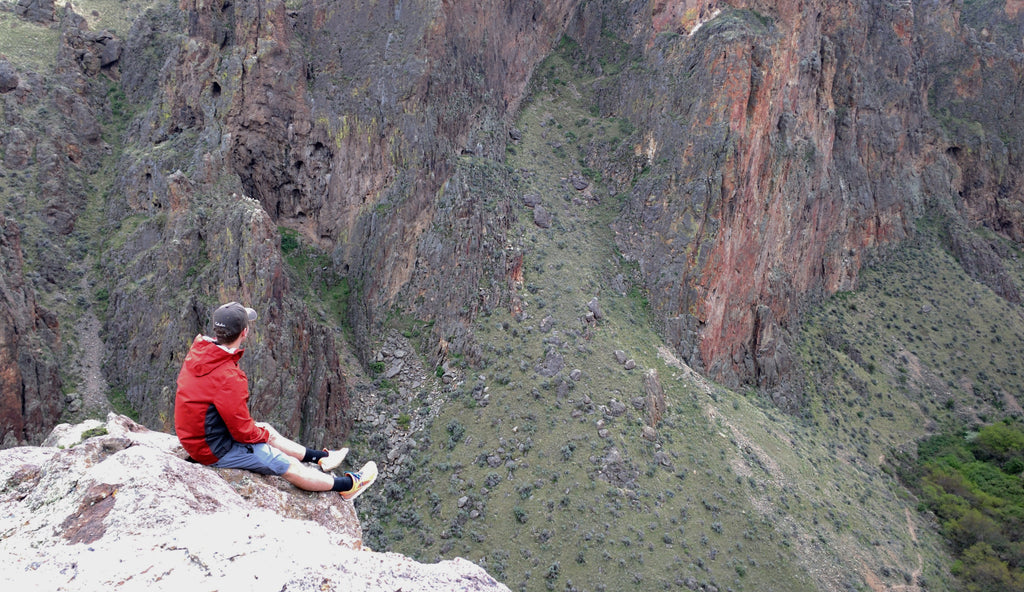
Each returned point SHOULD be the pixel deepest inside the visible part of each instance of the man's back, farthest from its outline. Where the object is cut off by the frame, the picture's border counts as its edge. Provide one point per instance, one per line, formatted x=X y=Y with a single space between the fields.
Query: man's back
x=211 y=407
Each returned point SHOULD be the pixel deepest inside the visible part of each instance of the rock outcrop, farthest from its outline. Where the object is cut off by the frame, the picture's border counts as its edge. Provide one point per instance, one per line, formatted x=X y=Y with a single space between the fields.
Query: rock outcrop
x=786 y=164
x=105 y=505
x=782 y=145
x=29 y=380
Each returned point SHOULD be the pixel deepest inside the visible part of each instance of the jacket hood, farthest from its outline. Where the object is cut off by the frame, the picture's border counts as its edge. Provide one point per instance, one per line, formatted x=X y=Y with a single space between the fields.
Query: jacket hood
x=205 y=356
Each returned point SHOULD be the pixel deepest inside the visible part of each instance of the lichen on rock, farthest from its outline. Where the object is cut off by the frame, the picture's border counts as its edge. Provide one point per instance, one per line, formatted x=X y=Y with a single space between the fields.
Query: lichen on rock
x=125 y=509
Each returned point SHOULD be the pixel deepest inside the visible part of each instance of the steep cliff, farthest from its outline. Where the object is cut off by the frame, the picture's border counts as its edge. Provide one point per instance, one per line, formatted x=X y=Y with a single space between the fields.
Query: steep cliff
x=113 y=505
x=783 y=143
x=773 y=149
x=974 y=88
x=29 y=382
x=347 y=132
x=51 y=145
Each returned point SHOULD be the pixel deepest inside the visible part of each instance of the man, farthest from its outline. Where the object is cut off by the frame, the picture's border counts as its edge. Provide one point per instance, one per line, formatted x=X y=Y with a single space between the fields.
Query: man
x=212 y=420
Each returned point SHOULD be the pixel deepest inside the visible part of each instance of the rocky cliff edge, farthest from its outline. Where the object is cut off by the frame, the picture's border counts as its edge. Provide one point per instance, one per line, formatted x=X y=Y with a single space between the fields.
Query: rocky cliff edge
x=114 y=505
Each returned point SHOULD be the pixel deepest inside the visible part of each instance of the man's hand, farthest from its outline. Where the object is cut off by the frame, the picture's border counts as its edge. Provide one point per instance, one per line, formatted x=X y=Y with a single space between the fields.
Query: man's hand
x=292 y=449
x=274 y=435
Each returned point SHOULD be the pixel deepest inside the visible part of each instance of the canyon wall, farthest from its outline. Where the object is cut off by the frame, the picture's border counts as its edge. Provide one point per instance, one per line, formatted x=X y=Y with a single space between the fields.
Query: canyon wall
x=784 y=144
x=374 y=131
x=775 y=147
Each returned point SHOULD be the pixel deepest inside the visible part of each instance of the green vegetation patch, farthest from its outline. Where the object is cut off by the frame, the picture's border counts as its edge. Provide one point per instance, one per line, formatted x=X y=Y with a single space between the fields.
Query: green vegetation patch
x=33 y=47
x=972 y=483
x=119 y=400
x=918 y=344
x=313 y=274
x=113 y=15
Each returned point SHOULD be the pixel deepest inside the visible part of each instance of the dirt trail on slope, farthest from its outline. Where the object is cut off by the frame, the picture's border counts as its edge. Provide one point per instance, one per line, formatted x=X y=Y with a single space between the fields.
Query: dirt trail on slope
x=877 y=585
x=89 y=360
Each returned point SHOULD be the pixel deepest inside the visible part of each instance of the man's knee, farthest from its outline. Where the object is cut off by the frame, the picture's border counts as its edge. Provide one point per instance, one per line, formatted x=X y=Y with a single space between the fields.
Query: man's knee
x=294 y=465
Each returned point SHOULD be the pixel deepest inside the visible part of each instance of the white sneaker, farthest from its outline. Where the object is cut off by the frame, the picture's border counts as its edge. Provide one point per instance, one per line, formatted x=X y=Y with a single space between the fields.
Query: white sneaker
x=332 y=460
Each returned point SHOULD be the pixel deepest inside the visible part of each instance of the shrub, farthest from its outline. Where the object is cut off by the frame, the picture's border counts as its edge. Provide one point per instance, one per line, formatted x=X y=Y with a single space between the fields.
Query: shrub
x=455 y=433
x=978 y=502
x=289 y=240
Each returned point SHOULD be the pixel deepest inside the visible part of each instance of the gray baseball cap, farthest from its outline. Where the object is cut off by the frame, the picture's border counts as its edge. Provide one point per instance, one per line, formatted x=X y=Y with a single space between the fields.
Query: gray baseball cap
x=230 y=319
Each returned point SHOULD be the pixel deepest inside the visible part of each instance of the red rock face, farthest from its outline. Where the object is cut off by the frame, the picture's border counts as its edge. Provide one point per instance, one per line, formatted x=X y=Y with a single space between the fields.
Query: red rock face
x=808 y=140
x=29 y=383
x=802 y=153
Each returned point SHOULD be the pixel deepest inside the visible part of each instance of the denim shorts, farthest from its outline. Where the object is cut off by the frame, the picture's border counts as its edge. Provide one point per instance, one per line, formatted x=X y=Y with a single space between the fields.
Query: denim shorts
x=258 y=458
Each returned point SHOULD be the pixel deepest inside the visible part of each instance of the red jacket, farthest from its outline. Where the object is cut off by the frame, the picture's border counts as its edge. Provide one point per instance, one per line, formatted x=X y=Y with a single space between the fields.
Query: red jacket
x=211 y=408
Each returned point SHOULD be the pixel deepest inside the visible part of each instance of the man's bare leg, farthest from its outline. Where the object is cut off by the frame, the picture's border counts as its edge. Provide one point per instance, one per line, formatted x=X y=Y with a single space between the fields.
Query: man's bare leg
x=289 y=447
x=299 y=475
x=308 y=478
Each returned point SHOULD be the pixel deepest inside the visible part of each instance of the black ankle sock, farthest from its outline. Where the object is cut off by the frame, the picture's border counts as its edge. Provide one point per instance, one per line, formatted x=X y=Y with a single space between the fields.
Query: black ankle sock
x=313 y=455
x=343 y=483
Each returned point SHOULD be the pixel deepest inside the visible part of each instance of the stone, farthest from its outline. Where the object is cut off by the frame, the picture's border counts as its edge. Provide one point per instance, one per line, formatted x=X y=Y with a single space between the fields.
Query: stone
x=541 y=217
x=8 y=77
x=618 y=284
x=38 y=11
x=18 y=149
x=552 y=364
x=616 y=408
x=110 y=53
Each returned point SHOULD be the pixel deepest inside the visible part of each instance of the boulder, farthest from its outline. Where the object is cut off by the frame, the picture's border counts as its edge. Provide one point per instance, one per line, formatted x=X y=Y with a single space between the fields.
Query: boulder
x=123 y=509
x=37 y=11
x=541 y=217
x=8 y=77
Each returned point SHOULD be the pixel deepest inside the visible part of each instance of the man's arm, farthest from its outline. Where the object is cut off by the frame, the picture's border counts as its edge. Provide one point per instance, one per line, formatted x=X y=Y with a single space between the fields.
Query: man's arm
x=233 y=407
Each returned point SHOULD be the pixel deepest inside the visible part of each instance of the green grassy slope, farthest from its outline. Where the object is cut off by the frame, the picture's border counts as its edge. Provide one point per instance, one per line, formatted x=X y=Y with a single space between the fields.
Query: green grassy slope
x=541 y=480
x=918 y=347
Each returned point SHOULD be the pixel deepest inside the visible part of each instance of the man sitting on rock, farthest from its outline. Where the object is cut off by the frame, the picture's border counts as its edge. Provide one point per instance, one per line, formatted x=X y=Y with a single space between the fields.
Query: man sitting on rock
x=212 y=420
